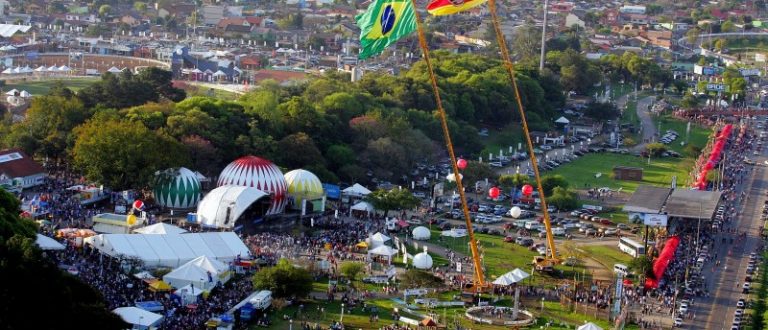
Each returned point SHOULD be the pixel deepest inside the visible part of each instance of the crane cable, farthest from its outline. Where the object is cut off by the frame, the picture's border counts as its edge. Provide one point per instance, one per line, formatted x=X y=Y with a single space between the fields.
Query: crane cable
x=479 y=278
x=511 y=73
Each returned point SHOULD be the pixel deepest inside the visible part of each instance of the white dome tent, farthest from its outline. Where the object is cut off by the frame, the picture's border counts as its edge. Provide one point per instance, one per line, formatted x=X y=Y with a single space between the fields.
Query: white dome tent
x=222 y=206
x=421 y=233
x=422 y=260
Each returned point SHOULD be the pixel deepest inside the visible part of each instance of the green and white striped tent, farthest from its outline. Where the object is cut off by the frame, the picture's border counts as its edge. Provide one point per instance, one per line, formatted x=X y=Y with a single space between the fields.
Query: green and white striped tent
x=177 y=188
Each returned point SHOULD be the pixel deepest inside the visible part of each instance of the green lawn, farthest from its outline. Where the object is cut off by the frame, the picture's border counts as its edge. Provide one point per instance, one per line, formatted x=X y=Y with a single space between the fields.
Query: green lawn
x=607 y=255
x=357 y=319
x=698 y=136
x=501 y=257
x=41 y=87
x=582 y=172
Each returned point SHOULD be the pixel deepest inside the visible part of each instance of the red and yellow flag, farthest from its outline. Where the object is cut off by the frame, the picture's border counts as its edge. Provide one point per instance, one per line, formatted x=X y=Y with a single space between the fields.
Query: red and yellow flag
x=450 y=7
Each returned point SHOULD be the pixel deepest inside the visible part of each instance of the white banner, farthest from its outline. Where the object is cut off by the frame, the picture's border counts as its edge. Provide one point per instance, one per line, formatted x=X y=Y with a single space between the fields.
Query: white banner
x=655 y=220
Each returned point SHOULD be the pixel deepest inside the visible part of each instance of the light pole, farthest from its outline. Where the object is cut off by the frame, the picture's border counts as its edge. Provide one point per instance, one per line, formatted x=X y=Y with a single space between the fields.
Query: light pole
x=290 y=324
x=341 y=319
x=542 y=305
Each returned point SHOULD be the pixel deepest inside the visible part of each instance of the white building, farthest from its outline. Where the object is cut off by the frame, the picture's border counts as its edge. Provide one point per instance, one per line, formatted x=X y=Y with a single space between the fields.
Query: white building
x=632 y=10
x=19 y=170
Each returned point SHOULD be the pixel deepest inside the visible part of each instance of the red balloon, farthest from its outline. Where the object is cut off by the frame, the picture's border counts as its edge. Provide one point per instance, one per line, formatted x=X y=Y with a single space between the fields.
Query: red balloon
x=527 y=190
x=461 y=163
x=494 y=192
x=138 y=204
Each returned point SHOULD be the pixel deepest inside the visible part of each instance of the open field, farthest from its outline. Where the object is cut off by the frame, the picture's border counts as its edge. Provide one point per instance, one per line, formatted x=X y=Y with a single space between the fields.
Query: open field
x=607 y=255
x=41 y=87
x=501 y=140
x=583 y=172
x=698 y=136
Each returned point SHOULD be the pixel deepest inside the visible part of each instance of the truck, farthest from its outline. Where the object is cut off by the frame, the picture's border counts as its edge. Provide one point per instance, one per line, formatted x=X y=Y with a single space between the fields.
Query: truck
x=262 y=300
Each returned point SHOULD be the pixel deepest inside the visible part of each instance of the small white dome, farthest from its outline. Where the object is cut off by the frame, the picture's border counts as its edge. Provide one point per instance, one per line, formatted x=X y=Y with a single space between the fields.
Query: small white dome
x=422 y=261
x=421 y=233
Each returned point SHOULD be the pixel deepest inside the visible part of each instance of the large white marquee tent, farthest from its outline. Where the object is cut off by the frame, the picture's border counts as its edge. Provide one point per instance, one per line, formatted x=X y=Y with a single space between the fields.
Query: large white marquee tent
x=171 y=250
x=222 y=206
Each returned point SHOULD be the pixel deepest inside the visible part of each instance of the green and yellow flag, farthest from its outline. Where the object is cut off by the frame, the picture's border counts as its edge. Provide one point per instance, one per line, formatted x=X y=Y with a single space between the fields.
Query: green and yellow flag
x=383 y=24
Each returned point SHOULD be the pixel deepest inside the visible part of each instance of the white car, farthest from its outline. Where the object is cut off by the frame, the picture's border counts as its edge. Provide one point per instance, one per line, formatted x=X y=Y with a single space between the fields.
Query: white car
x=739 y=312
x=683 y=308
x=678 y=322
x=740 y=303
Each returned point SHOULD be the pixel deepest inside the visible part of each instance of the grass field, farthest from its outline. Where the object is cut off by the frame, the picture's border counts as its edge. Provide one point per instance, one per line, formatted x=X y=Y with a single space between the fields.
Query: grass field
x=42 y=87
x=582 y=173
x=607 y=255
x=698 y=136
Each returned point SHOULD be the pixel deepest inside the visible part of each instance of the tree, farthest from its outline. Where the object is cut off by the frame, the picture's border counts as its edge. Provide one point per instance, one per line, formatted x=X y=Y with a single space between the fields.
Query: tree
x=414 y=278
x=395 y=199
x=513 y=181
x=563 y=199
x=298 y=151
x=655 y=149
x=549 y=182
x=50 y=121
x=601 y=111
x=161 y=81
x=527 y=41
x=351 y=269
x=124 y=155
x=727 y=26
x=105 y=10
x=284 y=280
x=35 y=275
x=340 y=155
x=140 y=6
x=477 y=171
x=641 y=265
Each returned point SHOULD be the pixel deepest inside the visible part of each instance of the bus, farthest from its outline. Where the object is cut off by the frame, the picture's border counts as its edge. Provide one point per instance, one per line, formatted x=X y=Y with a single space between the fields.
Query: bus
x=631 y=247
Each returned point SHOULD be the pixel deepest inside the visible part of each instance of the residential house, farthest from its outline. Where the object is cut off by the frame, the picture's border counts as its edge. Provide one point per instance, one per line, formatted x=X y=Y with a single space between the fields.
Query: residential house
x=178 y=10
x=658 y=38
x=212 y=15
x=611 y=17
x=571 y=20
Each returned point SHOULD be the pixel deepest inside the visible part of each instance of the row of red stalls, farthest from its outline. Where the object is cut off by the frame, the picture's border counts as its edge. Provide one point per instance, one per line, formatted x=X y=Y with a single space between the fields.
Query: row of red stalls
x=668 y=252
x=715 y=154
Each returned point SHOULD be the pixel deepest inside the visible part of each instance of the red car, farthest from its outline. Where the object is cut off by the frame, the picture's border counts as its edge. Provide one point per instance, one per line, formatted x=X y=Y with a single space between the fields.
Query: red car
x=509 y=239
x=606 y=222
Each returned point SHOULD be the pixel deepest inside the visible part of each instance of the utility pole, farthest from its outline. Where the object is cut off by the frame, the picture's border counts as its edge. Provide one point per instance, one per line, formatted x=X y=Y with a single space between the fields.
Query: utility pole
x=543 y=36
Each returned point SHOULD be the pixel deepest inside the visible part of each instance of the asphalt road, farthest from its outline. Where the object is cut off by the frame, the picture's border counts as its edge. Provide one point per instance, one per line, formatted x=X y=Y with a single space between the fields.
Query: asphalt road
x=717 y=311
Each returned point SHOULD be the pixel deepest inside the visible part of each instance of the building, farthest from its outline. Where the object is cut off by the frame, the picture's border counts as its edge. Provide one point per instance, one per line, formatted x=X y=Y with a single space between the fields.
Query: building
x=19 y=170
x=632 y=10
x=628 y=173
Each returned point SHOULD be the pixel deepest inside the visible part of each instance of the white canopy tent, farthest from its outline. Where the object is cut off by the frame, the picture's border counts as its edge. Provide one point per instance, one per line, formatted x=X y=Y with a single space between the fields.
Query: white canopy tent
x=202 y=272
x=12 y=92
x=138 y=317
x=171 y=250
x=222 y=206
x=511 y=277
x=379 y=239
x=363 y=206
x=159 y=229
x=562 y=120
x=53 y=68
x=47 y=243
x=589 y=326
x=384 y=251
x=114 y=70
x=356 y=190
x=188 y=294
x=25 y=94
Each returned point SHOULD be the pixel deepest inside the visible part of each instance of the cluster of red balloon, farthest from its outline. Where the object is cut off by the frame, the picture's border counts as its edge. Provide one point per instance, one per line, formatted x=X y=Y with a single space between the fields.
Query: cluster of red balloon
x=714 y=156
x=661 y=263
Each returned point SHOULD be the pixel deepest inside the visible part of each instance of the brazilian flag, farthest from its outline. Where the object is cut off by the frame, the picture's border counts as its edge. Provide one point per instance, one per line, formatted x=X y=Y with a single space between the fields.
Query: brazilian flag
x=383 y=24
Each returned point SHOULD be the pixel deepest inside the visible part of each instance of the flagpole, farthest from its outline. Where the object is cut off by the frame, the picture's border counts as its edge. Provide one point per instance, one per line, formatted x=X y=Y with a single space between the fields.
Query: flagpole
x=534 y=163
x=479 y=276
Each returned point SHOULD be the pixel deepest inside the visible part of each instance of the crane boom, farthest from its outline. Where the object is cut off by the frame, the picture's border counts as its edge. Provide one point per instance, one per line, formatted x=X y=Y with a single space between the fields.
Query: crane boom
x=511 y=73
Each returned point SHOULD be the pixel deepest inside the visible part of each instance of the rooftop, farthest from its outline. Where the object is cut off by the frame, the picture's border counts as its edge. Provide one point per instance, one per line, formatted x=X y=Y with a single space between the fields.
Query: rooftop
x=647 y=199
x=697 y=204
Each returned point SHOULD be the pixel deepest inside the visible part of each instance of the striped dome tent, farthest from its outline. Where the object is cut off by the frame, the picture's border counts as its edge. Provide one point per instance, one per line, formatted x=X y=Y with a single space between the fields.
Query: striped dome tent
x=177 y=188
x=303 y=184
x=259 y=173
